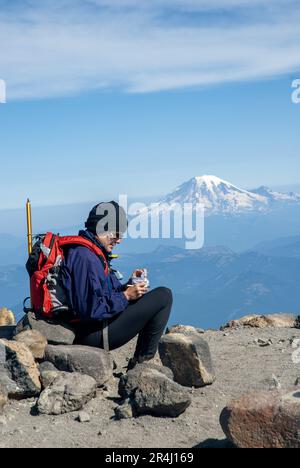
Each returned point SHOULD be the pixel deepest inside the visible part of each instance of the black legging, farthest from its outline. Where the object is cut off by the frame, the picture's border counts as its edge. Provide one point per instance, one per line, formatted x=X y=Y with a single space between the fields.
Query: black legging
x=146 y=317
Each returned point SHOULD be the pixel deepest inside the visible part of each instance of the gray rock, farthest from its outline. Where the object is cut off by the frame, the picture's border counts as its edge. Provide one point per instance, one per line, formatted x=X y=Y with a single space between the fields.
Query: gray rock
x=152 y=392
x=263 y=343
x=83 y=417
x=67 y=393
x=185 y=330
x=188 y=356
x=34 y=340
x=47 y=377
x=48 y=373
x=54 y=332
x=94 y=362
x=47 y=366
x=275 y=383
x=125 y=410
x=19 y=374
x=162 y=369
x=10 y=387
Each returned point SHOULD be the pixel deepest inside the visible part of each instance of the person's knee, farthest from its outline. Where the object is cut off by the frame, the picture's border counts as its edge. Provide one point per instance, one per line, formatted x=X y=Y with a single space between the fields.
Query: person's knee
x=165 y=296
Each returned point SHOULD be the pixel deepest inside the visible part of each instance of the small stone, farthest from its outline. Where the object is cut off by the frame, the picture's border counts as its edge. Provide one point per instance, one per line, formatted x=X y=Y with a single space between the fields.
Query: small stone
x=272 y=383
x=263 y=343
x=295 y=343
x=83 y=417
x=125 y=410
x=16 y=432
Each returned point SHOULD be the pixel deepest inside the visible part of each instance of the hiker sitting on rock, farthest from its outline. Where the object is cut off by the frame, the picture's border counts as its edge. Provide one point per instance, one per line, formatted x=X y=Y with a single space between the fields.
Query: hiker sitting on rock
x=98 y=298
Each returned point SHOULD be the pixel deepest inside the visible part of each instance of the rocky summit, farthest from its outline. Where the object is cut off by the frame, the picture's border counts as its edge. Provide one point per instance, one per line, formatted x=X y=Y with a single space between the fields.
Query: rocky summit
x=237 y=387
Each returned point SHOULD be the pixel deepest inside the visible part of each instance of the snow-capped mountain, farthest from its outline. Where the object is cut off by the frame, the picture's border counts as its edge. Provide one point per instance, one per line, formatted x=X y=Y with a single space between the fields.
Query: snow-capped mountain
x=221 y=197
x=273 y=196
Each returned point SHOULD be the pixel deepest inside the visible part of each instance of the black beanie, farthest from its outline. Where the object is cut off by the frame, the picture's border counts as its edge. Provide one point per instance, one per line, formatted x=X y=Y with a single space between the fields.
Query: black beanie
x=107 y=217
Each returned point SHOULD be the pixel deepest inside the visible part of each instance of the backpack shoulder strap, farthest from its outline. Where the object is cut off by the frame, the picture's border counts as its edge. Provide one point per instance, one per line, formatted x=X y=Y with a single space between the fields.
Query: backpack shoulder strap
x=78 y=240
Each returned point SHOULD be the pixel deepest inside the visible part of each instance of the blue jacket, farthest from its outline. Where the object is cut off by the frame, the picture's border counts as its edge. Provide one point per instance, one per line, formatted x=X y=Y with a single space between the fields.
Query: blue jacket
x=90 y=293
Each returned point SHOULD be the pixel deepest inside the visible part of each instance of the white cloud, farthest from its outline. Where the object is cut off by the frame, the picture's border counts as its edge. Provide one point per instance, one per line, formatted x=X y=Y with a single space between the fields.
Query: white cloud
x=64 y=47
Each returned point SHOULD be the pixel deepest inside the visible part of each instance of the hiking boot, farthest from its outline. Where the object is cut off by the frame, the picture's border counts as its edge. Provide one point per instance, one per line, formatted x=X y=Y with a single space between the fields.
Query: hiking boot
x=137 y=360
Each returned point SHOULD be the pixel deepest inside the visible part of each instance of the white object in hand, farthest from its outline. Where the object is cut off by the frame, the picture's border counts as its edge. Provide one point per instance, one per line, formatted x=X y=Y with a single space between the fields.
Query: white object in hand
x=141 y=279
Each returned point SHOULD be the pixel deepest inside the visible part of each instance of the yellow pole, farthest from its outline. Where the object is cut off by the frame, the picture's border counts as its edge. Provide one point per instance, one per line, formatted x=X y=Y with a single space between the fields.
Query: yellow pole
x=29 y=226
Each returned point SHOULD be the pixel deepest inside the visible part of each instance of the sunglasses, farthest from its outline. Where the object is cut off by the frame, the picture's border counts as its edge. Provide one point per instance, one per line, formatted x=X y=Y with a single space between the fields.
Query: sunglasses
x=115 y=235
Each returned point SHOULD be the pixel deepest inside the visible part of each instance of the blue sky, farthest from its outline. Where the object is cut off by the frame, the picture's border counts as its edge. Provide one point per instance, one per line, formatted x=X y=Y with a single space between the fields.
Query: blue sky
x=107 y=97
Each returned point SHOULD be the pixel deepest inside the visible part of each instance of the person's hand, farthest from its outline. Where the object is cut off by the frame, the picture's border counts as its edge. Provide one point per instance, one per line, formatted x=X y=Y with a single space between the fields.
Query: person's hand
x=135 y=292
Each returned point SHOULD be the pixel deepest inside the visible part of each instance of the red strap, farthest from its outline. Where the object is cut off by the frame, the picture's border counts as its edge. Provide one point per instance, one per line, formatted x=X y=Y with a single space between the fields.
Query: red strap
x=78 y=240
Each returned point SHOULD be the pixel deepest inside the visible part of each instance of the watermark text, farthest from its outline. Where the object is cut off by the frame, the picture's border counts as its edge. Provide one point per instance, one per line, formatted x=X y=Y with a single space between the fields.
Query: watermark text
x=156 y=221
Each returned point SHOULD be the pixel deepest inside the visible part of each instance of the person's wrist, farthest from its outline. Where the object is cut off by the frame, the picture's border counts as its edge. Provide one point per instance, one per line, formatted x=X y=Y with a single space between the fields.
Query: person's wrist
x=126 y=294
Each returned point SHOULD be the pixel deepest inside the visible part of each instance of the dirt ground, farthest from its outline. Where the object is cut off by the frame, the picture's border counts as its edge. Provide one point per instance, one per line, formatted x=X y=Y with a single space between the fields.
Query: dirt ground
x=240 y=363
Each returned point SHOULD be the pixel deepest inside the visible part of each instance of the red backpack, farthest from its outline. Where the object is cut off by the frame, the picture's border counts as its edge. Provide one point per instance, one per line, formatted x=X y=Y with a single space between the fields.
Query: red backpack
x=48 y=297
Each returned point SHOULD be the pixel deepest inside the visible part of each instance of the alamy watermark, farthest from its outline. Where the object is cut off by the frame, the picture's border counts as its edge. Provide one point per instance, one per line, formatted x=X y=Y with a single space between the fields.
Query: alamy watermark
x=2 y=92
x=158 y=221
x=296 y=92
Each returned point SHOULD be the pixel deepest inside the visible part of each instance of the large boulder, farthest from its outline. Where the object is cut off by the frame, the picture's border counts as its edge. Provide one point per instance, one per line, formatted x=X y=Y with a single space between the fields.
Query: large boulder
x=67 y=393
x=188 y=356
x=19 y=374
x=55 y=333
x=7 y=317
x=151 y=391
x=269 y=419
x=34 y=340
x=264 y=321
x=185 y=330
x=94 y=362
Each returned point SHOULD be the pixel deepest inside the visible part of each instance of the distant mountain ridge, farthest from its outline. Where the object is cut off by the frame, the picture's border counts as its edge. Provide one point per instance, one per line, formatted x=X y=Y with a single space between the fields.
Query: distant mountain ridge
x=221 y=197
x=285 y=247
x=216 y=284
